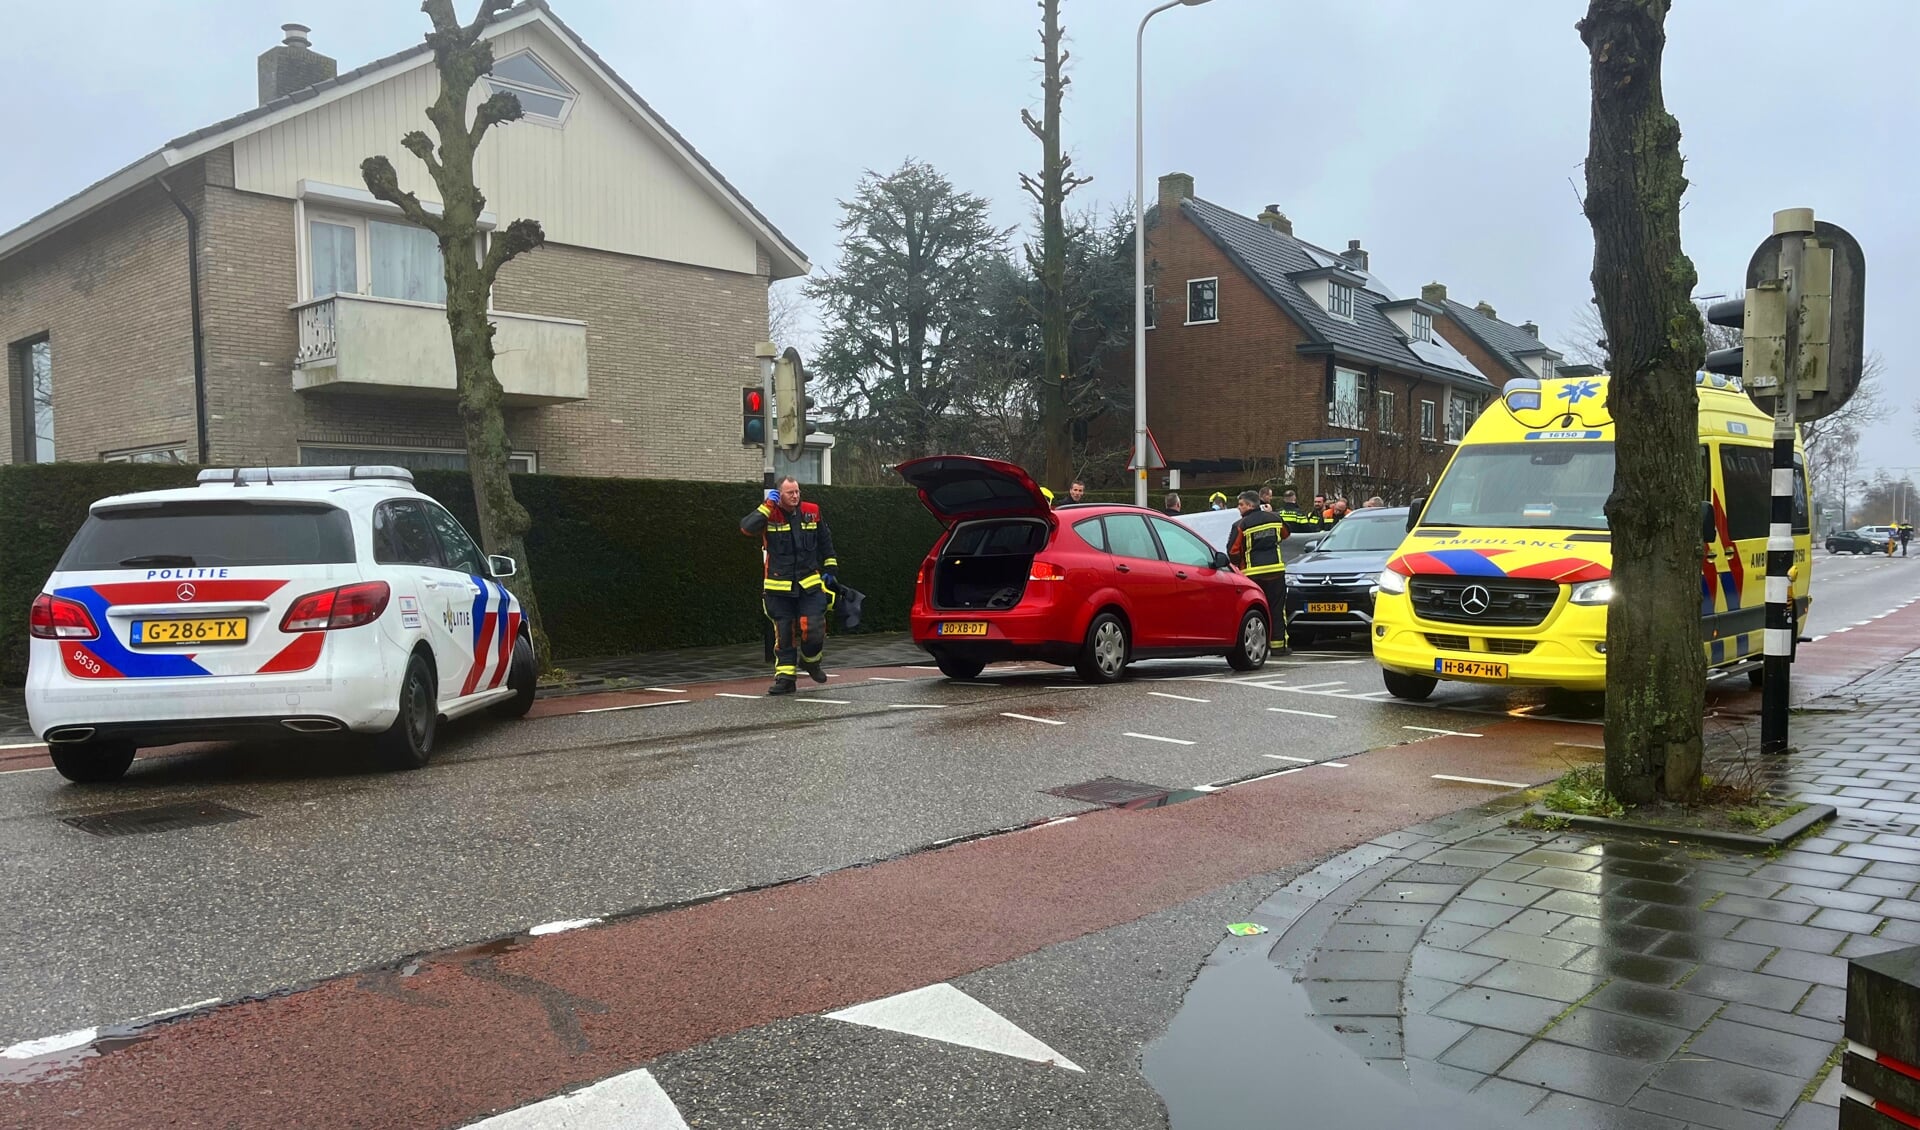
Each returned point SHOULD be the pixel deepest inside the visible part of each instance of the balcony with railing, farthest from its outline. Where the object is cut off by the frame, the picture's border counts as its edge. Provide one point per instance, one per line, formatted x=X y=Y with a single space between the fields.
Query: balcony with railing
x=388 y=346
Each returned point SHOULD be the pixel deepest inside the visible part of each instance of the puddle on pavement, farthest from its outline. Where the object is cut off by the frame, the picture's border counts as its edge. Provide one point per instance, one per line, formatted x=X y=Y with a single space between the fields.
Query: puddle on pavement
x=1243 y=1051
x=1164 y=799
x=58 y=1064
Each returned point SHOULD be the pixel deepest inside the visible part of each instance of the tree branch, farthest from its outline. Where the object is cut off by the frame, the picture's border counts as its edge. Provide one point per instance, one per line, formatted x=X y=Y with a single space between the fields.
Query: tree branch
x=488 y=10
x=420 y=145
x=520 y=237
x=384 y=183
x=1033 y=125
x=499 y=107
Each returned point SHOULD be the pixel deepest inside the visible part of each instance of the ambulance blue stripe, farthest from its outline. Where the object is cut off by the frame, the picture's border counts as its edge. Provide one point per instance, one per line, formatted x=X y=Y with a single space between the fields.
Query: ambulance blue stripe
x=1467 y=563
x=1719 y=651
x=1740 y=645
x=1732 y=590
x=132 y=664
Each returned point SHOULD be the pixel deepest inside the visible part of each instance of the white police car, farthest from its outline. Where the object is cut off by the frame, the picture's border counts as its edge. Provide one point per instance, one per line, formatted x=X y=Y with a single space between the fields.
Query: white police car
x=268 y=600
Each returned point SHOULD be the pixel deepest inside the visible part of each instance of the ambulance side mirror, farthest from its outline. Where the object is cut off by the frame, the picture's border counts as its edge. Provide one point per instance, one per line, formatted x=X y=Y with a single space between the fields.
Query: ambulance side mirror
x=1413 y=512
x=1707 y=529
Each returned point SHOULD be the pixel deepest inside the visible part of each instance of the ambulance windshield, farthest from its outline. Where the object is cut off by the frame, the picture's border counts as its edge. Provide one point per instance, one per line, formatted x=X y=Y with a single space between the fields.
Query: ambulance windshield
x=1525 y=486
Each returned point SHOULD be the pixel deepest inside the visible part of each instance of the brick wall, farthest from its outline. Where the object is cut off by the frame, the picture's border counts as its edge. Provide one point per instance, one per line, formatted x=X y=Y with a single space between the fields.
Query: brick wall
x=111 y=294
x=669 y=347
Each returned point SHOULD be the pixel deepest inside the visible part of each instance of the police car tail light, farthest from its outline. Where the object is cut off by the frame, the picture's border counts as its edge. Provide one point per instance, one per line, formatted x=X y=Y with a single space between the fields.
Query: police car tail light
x=1046 y=571
x=346 y=607
x=57 y=618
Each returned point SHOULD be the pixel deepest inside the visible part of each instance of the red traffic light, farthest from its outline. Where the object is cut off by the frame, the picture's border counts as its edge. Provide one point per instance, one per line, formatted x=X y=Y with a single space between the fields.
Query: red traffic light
x=751 y=400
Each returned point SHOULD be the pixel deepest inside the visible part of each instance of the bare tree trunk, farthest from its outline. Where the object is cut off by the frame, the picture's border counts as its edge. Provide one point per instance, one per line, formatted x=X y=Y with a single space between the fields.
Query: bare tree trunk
x=462 y=58
x=1656 y=673
x=1051 y=191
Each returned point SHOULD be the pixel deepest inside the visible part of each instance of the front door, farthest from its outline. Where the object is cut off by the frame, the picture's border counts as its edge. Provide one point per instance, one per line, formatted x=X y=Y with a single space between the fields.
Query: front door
x=404 y=539
x=1145 y=578
x=483 y=631
x=1205 y=599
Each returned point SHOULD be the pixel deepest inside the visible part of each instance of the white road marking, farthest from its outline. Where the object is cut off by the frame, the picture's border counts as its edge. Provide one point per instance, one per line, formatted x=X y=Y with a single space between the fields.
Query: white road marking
x=1310 y=662
x=563 y=926
x=1157 y=738
x=1070 y=687
x=1375 y=694
x=1181 y=697
x=1284 y=757
x=26 y=745
x=921 y=667
x=29 y=769
x=1206 y=788
x=942 y=1012
x=1312 y=686
x=28 y=1049
x=730 y=694
x=830 y=701
x=631 y=1101
x=958 y=683
x=884 y=679
x=914 y=706
x=1481 y=781
x=668 y=690
x=1031 y=718
x=1302 y=713
x=1448 y=733
x=1581 y=745
x=1332 y=764
x=635 y=706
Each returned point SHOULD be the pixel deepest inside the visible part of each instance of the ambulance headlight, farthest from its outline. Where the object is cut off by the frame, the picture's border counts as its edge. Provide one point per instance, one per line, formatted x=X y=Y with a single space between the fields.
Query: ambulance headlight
x=1593 y=592
x=1392 y=582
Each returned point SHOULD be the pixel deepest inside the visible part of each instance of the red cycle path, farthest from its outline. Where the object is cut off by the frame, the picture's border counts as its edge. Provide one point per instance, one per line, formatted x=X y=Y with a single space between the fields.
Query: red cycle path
x=464 y=1033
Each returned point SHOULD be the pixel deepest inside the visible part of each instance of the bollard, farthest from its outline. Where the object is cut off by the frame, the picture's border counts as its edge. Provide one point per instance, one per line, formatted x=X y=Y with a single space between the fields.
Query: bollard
x=1880 y=1074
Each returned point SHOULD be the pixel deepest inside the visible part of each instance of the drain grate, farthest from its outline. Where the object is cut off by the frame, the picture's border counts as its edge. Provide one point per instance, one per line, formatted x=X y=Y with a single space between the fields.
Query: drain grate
x=1115 y=792
x=158 y=818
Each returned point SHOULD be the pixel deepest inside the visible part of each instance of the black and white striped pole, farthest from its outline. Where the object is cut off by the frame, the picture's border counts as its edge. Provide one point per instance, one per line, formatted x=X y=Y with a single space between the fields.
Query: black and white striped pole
x=1791 y=228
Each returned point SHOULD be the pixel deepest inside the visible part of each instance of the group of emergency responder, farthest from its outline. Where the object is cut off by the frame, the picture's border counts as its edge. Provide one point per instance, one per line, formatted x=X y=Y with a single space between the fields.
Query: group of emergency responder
x=799 y=577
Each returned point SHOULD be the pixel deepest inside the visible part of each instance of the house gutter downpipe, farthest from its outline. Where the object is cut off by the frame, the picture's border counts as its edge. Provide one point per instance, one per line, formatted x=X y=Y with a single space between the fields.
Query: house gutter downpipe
x=199 y=337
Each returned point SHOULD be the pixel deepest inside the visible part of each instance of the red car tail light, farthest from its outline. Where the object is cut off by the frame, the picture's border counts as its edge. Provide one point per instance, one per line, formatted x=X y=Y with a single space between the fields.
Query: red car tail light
x=926 y=572
x=57 y=618
x=1046 y=571
x=348 y=606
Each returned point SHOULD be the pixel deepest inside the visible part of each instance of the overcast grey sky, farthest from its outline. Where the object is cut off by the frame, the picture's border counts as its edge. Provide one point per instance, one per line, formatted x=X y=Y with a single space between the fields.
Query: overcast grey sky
x=1447 y=136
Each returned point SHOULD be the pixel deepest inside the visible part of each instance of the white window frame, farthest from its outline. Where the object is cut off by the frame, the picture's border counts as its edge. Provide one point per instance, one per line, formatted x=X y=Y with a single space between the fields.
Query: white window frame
x=1383 y=405
x=1422 y=326
x=1191 y=283
x=1429 y=416
x=1340 y=300
x=1147 y=304
x=1352 y=414
x=530 y=460
x=1465 y=418
x=134 y=454
x=572 y=96
x=362 y=225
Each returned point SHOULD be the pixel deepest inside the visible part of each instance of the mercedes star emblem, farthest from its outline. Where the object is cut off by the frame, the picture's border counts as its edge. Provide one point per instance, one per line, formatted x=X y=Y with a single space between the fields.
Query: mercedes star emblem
x=1475 y=600
x=184 y=592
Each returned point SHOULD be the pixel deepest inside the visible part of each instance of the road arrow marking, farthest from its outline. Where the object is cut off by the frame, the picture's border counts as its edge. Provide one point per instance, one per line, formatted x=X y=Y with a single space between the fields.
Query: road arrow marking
x=633 y=1101
x=1031 y=718
x=1302 y=713
x=1180 y=697
x=942 y=1012
x=1157 y=738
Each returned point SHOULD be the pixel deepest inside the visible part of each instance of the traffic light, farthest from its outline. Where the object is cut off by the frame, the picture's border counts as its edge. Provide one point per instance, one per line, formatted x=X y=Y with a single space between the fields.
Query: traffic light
x=753 y=417
x=791 y=401
x=1761 y=318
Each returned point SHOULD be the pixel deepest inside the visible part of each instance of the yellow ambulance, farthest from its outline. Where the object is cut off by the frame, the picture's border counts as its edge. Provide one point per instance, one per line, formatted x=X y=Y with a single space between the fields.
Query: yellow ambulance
x=1506 y=571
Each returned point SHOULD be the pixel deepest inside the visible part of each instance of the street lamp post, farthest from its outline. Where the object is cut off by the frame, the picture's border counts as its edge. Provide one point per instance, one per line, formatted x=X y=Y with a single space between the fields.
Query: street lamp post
x=1140 y=250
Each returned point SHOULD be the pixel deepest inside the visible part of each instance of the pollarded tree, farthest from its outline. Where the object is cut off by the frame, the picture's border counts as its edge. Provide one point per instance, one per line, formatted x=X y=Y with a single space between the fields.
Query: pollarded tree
x=462 y=57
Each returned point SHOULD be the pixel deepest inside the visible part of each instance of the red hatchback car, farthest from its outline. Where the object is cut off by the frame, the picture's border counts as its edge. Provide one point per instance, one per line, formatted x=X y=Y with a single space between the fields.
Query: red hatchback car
x=1091 y=586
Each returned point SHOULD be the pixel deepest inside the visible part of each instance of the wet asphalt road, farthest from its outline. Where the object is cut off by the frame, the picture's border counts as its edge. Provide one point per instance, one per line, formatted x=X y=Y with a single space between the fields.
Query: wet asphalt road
x=345 y=866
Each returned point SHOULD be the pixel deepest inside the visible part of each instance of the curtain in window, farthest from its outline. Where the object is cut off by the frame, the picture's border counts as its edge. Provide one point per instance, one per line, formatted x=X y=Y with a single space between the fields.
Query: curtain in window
x=39 y=372
x=406 y=262
x=332 y=250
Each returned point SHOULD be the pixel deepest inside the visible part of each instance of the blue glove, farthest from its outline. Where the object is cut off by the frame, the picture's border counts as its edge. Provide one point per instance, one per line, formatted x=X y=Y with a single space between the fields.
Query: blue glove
x=773 y=496
x=832 y=581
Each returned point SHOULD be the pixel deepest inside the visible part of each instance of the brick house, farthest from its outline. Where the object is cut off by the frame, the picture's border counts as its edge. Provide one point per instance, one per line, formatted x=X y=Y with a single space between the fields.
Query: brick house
x=1257 y=338
x=238 y=297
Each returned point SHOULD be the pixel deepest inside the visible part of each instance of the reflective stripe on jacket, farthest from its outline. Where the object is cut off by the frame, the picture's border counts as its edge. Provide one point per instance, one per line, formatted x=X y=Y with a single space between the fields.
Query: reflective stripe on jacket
x=797 y=547
x=1255 y=543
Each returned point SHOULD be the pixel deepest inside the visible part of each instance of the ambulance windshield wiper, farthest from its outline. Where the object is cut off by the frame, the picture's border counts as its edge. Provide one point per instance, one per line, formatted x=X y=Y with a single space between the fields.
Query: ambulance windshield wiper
x=156 y=559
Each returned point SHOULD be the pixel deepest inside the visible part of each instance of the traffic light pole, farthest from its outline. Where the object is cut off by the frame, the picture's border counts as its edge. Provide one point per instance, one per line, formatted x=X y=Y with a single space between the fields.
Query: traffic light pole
x=1796 y=224
x=766 y=353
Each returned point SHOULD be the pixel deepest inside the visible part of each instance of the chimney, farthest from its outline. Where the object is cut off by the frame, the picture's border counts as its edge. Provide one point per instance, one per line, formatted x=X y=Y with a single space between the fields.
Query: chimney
x=293 y=65
x=1175 y=187
x=1435 y=293
x=1486 y=309
x=1530 y=330
x=1274 y=218
x=1355 y=254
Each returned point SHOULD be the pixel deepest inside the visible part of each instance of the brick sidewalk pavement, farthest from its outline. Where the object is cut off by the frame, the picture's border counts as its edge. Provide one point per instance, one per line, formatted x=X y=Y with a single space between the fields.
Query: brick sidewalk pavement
x=1564 y=979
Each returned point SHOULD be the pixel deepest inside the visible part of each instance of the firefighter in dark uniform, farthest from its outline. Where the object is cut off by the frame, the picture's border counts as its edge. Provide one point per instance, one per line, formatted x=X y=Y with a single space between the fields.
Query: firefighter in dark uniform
x=798 y=549
x=1298 y=521
x=1254 y=546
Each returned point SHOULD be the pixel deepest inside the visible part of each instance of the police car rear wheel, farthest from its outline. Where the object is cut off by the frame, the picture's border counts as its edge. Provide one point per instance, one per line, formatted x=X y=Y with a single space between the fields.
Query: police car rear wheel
x=92 y=763
x=1250 y=654
x=523 y=677
x=1103 y=657
x=954 y=667
x=1413 y=688
x=408 y=743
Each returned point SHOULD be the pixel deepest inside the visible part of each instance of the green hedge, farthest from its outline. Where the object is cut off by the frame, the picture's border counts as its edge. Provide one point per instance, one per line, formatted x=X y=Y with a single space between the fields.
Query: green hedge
x=620 y=565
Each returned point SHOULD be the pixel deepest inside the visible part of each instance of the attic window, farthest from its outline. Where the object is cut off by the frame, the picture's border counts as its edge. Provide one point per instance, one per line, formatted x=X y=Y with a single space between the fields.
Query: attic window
x=1340 y=300
x=543 y=96
x=1422 y=326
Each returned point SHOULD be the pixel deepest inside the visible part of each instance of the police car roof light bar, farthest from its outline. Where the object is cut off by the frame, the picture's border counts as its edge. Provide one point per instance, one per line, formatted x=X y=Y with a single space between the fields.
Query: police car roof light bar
x=241 y=476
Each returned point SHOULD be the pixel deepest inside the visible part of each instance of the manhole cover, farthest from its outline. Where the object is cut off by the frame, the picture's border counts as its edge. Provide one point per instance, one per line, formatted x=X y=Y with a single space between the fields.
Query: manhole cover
x=159 y=818
x=1112 y=791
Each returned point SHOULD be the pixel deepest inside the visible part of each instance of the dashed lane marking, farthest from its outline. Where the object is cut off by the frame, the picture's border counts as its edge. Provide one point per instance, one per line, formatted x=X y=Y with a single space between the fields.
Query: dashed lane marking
x=921 y=667
x=1481 y=781
x=915 y=706
x=669 y=690
x=1031 y=718
x=1581 y=745
x=885 y=679
x=1158 y=738
x=563 y=926
x=730 y=694
x=1332 y=764
x=1070 y=687
x=633 y=1101
x=1314 y=686
x=1284 y=757
x=829 y=701
x=1302 y=713
x=26 y=745
x=1180 y=697
x=1447 y=733
x=635 y=706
